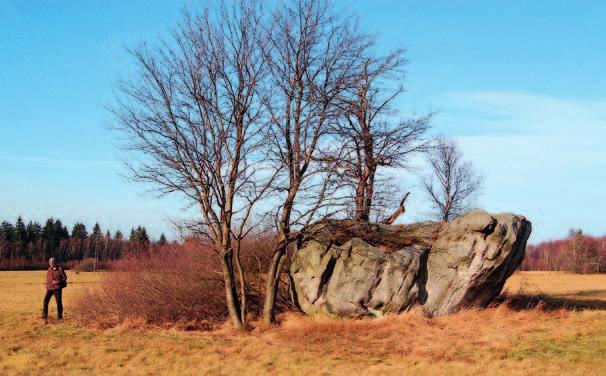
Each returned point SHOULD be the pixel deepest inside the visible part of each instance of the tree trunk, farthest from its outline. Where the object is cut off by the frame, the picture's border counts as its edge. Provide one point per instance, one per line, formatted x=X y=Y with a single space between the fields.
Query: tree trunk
x=277 y=262
x=231 y=293
x=242 y=281
x=365 y=190
x=273 y=281
x=370 y=192
x=360 y=214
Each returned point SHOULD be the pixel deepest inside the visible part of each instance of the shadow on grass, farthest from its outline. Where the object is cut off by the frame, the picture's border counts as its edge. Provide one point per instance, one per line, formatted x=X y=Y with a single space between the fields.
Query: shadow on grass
x=524 y=301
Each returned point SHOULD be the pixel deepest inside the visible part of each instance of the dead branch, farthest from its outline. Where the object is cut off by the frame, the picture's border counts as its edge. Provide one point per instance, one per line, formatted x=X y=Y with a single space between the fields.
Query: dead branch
x=399 y=211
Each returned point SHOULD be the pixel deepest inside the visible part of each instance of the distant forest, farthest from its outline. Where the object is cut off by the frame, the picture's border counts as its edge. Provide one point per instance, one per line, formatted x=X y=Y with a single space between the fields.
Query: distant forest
x=29 y=246
x=578 y=253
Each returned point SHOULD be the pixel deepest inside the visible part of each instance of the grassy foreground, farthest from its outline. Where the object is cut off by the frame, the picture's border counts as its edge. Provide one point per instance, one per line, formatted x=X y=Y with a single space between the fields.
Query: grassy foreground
x=567 y=335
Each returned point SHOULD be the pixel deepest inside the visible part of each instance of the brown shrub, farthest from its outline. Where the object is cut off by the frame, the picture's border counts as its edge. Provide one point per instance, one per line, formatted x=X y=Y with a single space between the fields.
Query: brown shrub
x=256 y=254
x=89 y=265
x=177 y=285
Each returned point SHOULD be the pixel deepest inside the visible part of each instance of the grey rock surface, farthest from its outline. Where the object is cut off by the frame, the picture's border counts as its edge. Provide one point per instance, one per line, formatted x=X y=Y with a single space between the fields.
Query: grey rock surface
x=345 y=269
x=353 y=280
x=471 y=259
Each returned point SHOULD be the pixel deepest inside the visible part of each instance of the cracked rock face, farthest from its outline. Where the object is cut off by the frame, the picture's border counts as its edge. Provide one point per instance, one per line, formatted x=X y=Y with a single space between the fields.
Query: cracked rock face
x=345 y=269
x=354 y=279
x=471 y=259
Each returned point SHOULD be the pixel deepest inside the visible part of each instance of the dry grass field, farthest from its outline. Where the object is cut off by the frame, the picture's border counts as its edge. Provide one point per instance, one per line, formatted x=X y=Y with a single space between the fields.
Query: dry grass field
x=566 y=334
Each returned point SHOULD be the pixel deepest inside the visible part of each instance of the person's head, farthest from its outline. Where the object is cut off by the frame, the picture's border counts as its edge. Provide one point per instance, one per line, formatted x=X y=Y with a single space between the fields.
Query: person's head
x=51 y=262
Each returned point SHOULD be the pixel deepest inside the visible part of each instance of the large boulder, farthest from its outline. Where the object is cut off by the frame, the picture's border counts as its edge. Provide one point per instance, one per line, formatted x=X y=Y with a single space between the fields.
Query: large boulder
x=352 y=269
x=471 y=259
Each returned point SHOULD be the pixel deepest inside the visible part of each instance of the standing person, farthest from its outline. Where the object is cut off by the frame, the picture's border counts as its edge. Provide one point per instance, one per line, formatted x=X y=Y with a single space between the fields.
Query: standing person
x=56 y=280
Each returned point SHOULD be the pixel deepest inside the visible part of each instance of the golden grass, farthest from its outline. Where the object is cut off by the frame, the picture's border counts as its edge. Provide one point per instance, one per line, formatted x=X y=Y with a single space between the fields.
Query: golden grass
x=492 y=341
x=560 y=284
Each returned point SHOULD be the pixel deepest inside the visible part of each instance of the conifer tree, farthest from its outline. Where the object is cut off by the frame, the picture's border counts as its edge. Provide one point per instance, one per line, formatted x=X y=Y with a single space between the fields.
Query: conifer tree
x=139 y=235
x=162 y=239
x=96 y=232
x=79 y=231
x=20 y=231
x=7 y=231
x=118 y=235
x=34 y=231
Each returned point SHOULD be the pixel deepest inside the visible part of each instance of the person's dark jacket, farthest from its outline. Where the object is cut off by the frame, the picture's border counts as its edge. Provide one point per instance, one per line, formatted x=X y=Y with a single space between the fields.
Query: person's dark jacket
x=55 y=278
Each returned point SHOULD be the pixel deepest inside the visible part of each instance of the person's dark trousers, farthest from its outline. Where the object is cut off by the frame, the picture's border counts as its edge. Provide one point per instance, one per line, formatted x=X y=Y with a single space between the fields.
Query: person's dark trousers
x=47 y=297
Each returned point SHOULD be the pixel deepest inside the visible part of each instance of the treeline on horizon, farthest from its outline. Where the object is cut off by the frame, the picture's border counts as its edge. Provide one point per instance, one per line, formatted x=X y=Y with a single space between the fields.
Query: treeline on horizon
x=577 y=253
x=29 y=246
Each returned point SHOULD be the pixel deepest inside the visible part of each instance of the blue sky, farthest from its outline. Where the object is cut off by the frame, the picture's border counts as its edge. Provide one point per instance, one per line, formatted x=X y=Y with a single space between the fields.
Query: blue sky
x=520 y=84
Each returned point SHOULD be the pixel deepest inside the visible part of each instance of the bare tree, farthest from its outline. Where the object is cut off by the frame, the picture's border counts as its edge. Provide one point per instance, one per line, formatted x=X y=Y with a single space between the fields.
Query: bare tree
x=453 y=182
x=193 y=115
x=310 y=59
x=371 y=133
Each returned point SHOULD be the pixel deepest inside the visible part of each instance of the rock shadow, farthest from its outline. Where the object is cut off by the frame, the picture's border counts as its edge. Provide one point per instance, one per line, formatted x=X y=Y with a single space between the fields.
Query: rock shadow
x=570 y=302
